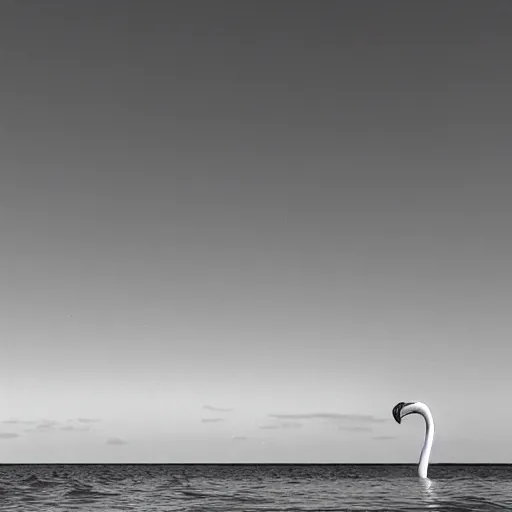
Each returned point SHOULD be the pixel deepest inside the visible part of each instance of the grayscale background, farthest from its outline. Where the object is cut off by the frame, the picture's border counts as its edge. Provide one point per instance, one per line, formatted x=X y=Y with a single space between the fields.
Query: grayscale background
x=243 y=231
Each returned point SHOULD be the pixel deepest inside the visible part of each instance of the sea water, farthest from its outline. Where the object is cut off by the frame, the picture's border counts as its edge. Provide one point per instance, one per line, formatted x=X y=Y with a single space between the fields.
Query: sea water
x=159 y=488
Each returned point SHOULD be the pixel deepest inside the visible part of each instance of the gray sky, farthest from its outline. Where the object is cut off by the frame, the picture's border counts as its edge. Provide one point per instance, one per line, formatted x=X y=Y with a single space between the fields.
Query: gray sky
x=243 y=231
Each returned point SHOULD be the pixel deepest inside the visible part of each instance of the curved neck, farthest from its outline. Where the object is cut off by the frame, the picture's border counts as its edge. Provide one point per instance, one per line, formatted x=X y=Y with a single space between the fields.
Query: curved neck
x=427 y=445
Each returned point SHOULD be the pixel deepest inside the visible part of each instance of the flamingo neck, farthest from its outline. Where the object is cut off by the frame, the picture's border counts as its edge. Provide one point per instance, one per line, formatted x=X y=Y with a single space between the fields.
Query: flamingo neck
x=427 y=445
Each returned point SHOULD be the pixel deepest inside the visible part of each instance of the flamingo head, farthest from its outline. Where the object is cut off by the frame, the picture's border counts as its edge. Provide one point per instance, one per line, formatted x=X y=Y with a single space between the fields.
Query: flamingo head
x=403 y=409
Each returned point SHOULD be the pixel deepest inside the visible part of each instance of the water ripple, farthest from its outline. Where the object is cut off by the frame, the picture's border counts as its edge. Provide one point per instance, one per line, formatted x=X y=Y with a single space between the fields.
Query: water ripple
x=169 y=488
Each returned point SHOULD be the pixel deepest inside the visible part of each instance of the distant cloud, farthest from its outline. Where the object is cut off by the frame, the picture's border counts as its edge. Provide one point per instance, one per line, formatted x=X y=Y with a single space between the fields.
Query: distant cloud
x=47 y=425
x=116 y=441
x=291 y=424
x=72 y=428
x=383 y=438
x=360 y=418
x=216 y=409
x=355 y=429
x=212 y=420
x=18 y=422
x=239 y=438
x=8 y=435
x=282 y=424
x=88 y=420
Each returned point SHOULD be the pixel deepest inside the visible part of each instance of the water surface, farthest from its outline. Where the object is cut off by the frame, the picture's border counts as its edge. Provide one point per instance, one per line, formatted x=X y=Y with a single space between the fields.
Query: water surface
x=159 y=488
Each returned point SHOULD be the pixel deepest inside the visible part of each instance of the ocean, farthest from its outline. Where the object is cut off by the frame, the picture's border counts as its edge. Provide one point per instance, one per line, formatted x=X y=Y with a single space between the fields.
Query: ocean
x=247 y=488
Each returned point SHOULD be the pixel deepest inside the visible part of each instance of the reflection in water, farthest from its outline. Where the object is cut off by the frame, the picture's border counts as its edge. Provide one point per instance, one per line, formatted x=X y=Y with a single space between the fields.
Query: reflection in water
x=428 y=493
x=426 y=483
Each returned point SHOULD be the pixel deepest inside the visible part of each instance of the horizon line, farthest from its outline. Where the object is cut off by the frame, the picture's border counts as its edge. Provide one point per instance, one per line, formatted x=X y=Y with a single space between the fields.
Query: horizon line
x=251 y=464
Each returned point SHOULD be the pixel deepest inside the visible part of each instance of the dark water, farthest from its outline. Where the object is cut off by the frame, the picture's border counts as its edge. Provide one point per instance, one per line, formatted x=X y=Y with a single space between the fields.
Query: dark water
x=159 y=488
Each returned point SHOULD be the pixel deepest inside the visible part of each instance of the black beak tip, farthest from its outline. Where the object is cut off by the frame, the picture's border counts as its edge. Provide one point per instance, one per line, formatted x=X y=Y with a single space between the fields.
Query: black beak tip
x=396 y=412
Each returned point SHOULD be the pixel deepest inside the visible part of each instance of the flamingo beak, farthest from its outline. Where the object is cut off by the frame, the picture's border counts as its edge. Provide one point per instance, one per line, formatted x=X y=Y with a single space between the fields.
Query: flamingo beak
x=397 y=410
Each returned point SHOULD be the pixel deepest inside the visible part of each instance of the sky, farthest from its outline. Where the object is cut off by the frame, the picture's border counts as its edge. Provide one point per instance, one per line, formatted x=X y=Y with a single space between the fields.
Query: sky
x=243 y=231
